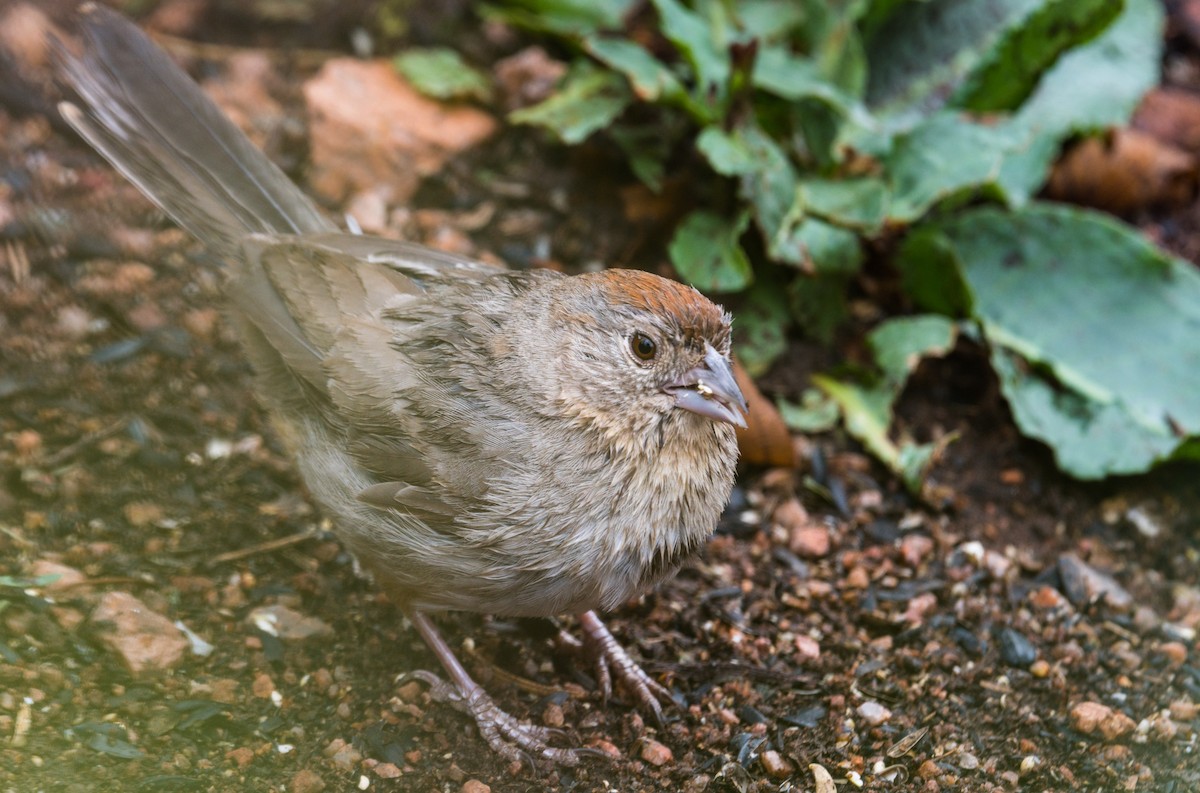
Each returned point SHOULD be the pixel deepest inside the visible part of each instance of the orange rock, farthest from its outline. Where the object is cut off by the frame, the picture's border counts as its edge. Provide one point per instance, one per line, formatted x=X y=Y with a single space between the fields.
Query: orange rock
x=369 y=129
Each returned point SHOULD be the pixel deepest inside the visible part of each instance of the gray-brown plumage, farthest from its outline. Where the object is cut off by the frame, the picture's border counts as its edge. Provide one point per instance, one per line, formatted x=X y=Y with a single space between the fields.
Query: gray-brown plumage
x=518 y=443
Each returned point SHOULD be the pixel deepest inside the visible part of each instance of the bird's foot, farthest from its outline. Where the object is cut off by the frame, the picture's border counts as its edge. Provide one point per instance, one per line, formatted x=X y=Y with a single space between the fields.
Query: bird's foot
x=513 y=740
x=610 y=662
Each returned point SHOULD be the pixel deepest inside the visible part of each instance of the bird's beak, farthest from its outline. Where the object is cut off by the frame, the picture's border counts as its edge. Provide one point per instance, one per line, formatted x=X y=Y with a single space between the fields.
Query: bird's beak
x=709 y=390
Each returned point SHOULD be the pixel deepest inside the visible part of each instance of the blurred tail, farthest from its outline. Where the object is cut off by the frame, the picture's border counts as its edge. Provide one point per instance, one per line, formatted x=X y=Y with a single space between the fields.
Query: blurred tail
x=155 y=125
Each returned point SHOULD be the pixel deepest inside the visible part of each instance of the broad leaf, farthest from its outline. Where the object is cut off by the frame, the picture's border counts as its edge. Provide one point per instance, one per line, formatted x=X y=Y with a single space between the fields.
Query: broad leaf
x=1091 y=88
x=860 y=204
x=706 y=252
x=561 y=17
x=588 y=100
x=442 y=74
x=942 y=157
x=900 y=344
x=760 y=326
x=1094 y=327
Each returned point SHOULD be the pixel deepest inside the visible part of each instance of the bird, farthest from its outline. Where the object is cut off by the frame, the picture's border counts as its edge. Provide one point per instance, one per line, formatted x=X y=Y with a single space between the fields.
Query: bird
x=522 y=443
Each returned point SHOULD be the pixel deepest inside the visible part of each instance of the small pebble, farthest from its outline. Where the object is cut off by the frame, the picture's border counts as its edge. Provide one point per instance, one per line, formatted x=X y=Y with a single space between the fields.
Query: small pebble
x=776 y=766
x=1176 y=653
x=1085 y=584
x=475 y=786
x=1091 y=717
x=655 y=753
x=1048 y=598
x=807 y=648
x=552 y=716
x=263 y=686
x=873 y=713
x=914 y=548
x=241 y=756
x=811 y=541
x=1183 y=710
x=306 y=782
x=1015 y=649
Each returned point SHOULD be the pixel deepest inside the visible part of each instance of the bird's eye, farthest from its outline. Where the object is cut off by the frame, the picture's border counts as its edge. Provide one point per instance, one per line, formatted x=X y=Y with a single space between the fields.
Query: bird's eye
x=643 y=347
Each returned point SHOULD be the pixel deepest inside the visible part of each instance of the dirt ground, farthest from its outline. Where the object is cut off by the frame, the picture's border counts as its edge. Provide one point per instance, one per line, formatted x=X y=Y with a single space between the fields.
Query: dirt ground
x=1026 y=632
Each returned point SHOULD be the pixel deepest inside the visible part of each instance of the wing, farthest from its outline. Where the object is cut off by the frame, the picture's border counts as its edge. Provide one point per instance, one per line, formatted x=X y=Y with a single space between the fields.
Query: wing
x=357 y=332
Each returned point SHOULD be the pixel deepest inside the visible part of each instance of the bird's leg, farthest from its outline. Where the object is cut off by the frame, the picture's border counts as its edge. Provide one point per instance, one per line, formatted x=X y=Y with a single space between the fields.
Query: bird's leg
x=611 y=660
x=508 y=737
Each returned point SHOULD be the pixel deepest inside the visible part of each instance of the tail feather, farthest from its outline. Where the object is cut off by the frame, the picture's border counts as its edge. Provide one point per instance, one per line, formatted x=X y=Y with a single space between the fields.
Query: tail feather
x=155 y=125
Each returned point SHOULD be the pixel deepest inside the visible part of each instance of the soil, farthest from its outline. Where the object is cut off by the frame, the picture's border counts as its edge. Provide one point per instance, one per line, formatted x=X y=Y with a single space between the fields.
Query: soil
x=961 y=645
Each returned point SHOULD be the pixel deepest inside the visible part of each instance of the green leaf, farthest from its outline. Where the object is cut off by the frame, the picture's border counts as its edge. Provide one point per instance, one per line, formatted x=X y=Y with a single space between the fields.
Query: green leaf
x=1012 y=68
x=1106 y=323
x=442 y=74
x=561 y=17
x=706 y=253
x=900 y=344
x=589 y=100
x=760 y=326
x=1090 y=439
x=769 y=20
x=647 y=148
x=770 y=190
x=23 y=582
x=922 y=56
x=816 y=412
x=1093 y=87
x=827 y=249
x=942 y=157
x=819 y=305
x=781 y=73
x=696 y=40
x=727 y=152
x=931 y=274
x=867 y=414
x=831 y=36
x=649 y=77
x=859 y=204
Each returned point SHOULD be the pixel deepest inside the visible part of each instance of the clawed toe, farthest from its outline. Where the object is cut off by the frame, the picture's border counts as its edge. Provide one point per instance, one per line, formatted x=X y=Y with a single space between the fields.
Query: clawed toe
x=611 y=661
x=511 y=739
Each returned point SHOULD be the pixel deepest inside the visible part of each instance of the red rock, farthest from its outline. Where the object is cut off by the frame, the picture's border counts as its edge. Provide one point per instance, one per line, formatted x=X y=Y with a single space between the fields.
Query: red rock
x=475 y=786
x=920 y=606
x=914 y=548
x=241 y=756
x=807 y=648
x=68 y=577
x=1184 y=710
x=810 y=541
x=263 y=686
x=306 y=782
x=1046 y=597
x=1176 y=653
x=655 y=753
x=776 y=765
x=369 y=128
x=145 y=641
x=552 y=716
x=929 y=770
x=1091 y=717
